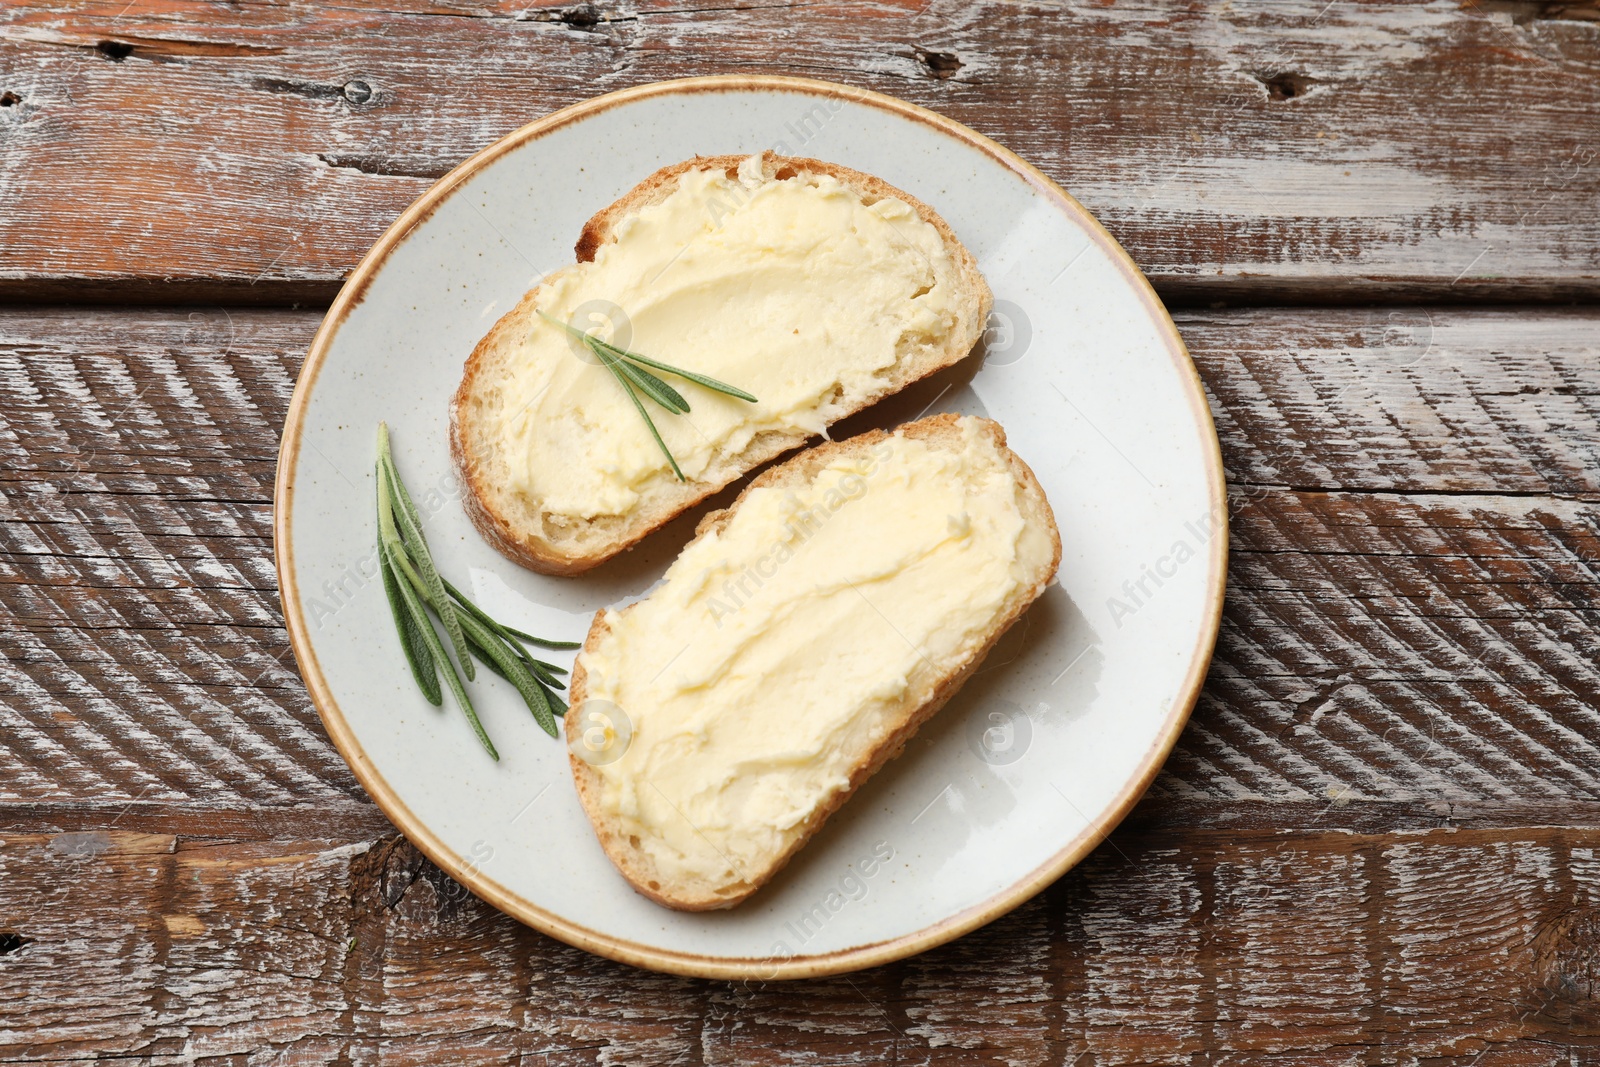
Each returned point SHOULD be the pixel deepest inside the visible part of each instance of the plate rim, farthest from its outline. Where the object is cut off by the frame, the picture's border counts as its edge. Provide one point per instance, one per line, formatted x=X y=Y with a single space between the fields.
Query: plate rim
x=669 y=960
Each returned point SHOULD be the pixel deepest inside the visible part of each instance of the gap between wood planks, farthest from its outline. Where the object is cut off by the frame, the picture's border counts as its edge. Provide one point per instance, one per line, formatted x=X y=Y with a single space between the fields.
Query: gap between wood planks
x=1175 y=294
x=1157 y=815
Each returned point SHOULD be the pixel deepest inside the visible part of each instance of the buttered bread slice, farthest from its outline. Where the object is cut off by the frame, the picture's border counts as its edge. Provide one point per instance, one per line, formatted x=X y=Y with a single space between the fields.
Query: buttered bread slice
x=815 y=288
x=795 y=646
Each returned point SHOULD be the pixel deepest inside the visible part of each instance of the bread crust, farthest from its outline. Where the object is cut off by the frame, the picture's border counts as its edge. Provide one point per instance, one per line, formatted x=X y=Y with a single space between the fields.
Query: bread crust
x=634 y=864
x=469 y=450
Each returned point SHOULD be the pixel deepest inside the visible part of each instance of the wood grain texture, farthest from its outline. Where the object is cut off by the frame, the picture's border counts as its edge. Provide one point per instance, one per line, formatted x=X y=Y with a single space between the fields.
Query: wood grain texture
x=1407 y=625
x=1309 y=150
x=143 y=648
x=1377 y=841
x=1375 y=844
x=1319 y=948
x=1415 y=536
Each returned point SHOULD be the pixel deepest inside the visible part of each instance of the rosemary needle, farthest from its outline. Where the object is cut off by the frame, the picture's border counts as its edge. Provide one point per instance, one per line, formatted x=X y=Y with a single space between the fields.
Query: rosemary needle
x=653 y=387
x=409 y=591
x=541 y=642
x=627 y=387
x=423 y=668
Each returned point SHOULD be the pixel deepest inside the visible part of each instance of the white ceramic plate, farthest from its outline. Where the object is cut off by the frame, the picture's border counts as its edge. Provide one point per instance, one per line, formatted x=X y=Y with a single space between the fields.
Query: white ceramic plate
x=1012 y=783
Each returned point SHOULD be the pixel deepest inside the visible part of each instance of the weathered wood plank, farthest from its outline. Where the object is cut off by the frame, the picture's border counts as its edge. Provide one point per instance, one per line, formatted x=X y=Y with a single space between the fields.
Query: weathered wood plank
x=1307 y=149
x=1435 y=648
x=1313 y=947
x=1409 y=399
x=144 y=656
x=1411 y=635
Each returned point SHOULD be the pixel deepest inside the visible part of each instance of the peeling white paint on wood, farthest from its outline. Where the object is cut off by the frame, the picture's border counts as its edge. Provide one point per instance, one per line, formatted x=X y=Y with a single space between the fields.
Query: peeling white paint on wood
x=1426 y=148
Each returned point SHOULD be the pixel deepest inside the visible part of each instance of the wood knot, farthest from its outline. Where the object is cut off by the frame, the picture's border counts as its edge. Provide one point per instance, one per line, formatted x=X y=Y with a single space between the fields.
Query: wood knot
x=1285 y=85
x=116 y=51
x=582 y=17
x=1566 y=958
x=399 y=865
x=9 y=99
x=1525 y=12
x=12 y=942
x=940 y=64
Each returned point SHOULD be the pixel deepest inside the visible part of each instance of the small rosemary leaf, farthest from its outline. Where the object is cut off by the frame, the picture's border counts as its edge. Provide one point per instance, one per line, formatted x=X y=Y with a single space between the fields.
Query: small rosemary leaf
x=667 y=368
x=423 y=669
x=560 y=705
x=386 y=463
x=543 y=713
x=541 y=642
x=430 y=575
x=472 y=717
x=512 y=669
x=420 y=615
x=645 y=415
x=648 y=383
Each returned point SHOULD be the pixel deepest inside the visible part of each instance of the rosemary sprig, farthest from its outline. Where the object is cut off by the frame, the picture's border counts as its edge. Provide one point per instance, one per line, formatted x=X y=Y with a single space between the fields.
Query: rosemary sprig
x=410 y=585
x=414 y=585
x=628 y=368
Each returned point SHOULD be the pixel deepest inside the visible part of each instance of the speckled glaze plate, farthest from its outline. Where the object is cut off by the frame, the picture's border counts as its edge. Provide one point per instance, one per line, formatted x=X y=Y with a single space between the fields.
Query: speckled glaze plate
x=1017 y=779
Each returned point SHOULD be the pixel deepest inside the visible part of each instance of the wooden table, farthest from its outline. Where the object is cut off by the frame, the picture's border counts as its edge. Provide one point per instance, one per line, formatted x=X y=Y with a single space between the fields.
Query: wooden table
x=1378 y=226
